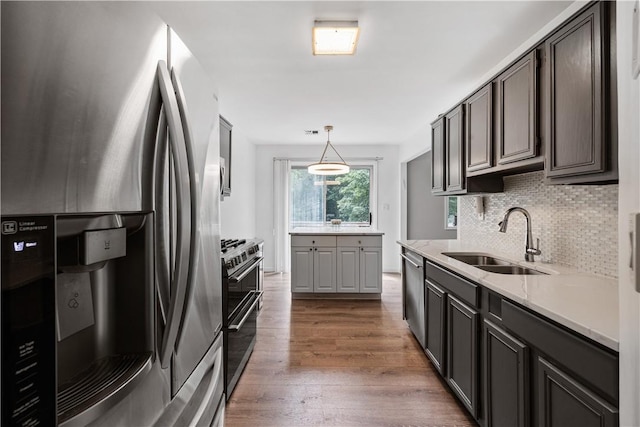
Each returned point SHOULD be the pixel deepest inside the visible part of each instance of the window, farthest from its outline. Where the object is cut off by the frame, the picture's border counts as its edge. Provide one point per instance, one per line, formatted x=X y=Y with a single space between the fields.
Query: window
x=451 y=213
x=315 y=200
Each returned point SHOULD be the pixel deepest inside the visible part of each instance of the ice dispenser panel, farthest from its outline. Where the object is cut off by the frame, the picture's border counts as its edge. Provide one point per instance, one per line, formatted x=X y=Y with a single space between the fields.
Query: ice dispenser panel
x=28 y=321
x=104 y=311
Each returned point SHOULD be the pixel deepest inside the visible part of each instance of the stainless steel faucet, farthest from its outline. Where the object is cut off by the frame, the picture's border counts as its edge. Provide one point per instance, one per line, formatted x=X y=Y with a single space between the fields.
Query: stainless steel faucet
x=530 y=251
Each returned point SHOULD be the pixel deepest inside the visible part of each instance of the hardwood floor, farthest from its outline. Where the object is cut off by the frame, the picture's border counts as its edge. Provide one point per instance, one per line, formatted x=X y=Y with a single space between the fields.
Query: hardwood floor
x=339 y=363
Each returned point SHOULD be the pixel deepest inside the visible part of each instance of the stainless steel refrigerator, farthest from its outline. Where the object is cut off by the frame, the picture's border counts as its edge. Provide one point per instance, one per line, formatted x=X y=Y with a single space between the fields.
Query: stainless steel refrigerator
x=110 y=220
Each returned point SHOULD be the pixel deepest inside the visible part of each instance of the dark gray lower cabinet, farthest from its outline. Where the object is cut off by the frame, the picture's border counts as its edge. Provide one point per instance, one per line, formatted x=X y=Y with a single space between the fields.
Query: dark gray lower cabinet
x=496 y=357
x=462 y=353
x=563 y=402
x=436 y=321
x=506 y=379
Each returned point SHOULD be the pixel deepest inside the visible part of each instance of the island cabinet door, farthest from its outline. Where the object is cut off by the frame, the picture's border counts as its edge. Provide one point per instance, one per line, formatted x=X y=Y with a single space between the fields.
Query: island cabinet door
x=348 y=269
x=301 y=269
x=324 y=269
x=370 y=270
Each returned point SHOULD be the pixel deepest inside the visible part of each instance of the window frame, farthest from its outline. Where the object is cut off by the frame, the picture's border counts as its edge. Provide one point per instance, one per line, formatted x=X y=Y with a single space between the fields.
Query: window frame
x=447 y=212
x=373 y=194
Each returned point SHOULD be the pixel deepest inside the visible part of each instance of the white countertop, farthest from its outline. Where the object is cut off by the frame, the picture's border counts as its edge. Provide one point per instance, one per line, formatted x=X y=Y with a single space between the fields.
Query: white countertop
x=585 y=303
x=340 y=230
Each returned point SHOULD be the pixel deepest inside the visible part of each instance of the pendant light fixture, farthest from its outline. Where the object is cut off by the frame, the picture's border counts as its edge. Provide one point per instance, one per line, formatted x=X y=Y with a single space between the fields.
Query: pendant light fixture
x=327 y=167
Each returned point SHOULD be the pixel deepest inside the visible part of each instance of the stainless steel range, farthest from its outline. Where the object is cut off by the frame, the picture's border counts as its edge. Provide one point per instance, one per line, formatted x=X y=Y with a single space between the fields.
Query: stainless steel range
x=241 y=301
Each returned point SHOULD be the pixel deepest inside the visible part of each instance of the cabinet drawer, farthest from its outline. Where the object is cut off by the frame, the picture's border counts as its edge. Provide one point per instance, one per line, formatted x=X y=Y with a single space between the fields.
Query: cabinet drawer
x=373 y=241
x=460 y=287
x=326 y=241
x=596 y=366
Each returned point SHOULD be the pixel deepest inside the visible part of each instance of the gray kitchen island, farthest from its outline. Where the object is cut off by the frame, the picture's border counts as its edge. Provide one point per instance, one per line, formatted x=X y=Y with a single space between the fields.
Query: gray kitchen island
x=336 y=262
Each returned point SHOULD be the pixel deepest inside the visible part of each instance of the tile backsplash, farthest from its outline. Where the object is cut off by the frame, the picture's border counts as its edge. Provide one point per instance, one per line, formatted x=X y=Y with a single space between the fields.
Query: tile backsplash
x=577 y=224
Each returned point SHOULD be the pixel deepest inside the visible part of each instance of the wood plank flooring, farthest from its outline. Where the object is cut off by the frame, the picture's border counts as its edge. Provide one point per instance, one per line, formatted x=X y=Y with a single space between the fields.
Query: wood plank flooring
x=339 y=363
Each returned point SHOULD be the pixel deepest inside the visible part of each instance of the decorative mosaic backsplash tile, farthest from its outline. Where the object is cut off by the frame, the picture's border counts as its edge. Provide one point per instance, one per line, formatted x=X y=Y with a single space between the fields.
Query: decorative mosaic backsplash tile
x=577 y=224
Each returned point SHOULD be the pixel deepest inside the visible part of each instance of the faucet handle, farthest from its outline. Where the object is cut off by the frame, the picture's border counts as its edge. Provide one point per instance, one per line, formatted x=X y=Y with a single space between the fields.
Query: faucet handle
x=536 y=250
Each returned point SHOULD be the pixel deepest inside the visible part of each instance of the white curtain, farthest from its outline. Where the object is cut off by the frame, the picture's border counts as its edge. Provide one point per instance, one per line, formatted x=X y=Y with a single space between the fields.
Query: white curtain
x=281 y=168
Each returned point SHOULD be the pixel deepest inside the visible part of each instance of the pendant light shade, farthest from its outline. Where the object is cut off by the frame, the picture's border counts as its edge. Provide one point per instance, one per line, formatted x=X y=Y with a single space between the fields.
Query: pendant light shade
x=329 y=167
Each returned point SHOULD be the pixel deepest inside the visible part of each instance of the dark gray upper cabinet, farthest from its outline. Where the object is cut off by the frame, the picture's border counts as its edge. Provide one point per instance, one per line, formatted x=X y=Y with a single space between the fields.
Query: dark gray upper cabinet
x=517 y=132
x=436 y=321
x=576 y=103
x=454 y=150
x=572 y=104
x=448 y=167
x=437 y=158
x=479 y=129
x=462 y=353
x=506 y=378
x=565 y=402
x=225 y=153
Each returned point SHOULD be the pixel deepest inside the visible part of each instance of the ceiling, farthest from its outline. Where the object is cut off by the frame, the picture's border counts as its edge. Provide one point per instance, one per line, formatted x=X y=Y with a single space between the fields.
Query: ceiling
x=414 y=60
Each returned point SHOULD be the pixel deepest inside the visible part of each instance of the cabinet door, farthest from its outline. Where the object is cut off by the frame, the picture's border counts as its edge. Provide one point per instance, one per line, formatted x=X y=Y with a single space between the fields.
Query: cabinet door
x=517 y=110
x=436 y=323
x=301 y=269
x=348 y=279
x=462 y=353
x=507 y=379
x=574 y=130
x=563 y=402
x=370 y=270
x=479 y=129
x=454 y=149
x=438 y=156
x=324 y=269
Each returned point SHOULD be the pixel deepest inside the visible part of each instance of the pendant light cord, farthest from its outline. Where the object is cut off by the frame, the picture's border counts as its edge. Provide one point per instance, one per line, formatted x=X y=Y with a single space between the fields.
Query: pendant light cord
x=334 y=149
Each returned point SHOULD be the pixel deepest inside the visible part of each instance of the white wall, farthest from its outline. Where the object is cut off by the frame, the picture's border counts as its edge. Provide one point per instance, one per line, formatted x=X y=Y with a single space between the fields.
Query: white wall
x=388 y=214
x=418 y=144
x=629 y=201
x=238 y=211
x=425 y=212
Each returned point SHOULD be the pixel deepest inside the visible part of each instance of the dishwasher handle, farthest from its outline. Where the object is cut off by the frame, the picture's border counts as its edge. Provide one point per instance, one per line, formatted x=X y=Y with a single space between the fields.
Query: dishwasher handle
x=410 y=261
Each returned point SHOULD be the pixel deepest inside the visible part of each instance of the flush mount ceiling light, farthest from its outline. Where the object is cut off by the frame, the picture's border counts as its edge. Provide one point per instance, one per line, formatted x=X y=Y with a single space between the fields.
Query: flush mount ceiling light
x=326 y=167
x=335 y=37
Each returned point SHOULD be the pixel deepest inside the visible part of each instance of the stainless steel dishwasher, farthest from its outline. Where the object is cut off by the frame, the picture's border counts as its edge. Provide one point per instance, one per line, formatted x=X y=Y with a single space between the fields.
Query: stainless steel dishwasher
x=413 y=294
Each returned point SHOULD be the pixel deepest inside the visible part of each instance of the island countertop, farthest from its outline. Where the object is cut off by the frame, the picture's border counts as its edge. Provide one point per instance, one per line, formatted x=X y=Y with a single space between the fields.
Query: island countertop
x=585 y=303
x=335 y=231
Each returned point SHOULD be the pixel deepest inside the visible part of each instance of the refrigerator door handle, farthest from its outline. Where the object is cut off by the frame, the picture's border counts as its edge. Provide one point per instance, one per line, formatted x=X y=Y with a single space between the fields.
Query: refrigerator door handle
x=180 y=274
x=162 y=264
x=193 y=192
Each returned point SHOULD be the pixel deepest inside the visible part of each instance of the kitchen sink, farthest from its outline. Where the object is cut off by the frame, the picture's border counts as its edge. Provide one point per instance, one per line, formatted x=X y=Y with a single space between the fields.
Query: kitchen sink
x=477 y=259
x=491 y=264
x=508 y=269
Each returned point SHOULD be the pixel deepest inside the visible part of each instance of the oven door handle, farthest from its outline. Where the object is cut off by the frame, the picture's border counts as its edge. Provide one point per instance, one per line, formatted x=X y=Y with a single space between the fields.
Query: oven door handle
x=238 y=326
x=234 y=279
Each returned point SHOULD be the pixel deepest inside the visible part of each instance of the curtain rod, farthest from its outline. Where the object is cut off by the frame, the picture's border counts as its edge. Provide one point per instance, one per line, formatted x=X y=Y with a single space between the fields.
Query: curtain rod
x=311 y=159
